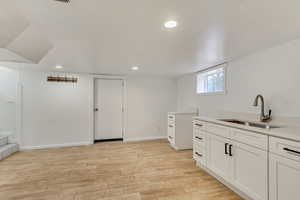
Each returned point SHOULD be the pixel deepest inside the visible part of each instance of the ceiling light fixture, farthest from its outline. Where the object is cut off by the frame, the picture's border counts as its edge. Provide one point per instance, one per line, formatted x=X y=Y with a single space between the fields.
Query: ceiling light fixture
x=59 y=67
x=170 y=24
x=134 y=68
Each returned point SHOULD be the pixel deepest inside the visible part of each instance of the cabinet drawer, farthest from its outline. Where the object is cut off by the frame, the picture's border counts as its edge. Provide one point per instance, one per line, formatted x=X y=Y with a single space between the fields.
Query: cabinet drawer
x=171 y=117
x=199 y=136
x=171 y=130
x=199 y=153
x=198 y=125
x=171 y=122
x=286 y=148
x=171 y=139
x=218 y=130
x=250 y=138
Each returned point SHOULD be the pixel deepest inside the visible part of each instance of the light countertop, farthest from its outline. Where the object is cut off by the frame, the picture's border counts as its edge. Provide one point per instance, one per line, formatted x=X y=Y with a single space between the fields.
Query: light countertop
x=286 y=130
x=182 y=113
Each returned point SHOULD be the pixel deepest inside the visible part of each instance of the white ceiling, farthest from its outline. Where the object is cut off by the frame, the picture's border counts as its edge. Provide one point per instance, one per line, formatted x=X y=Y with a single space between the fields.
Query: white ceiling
x=110 y=36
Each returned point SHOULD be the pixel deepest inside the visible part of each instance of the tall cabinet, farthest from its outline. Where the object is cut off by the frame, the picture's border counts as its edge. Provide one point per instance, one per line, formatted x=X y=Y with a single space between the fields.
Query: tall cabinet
x=180 y=130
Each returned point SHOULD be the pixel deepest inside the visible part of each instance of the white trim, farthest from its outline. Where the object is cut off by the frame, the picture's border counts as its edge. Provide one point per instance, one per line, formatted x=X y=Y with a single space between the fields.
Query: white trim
x=144 y=138
x=55 y=146
x=212 y=93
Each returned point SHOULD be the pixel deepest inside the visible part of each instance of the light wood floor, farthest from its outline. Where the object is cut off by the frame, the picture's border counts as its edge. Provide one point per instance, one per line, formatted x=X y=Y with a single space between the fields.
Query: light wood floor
x=108 y=171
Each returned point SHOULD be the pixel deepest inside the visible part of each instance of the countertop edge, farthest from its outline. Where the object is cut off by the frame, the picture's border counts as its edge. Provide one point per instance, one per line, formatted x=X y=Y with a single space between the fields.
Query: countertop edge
x=283 y=133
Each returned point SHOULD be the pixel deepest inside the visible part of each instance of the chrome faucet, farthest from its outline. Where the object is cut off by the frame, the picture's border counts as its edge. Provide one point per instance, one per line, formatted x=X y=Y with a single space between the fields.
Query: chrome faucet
x=263 y=117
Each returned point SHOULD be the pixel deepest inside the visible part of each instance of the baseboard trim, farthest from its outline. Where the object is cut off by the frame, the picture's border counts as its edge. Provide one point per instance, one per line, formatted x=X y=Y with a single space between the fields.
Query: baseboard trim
x=144 y=139
x=55 y=146
x=224 y=182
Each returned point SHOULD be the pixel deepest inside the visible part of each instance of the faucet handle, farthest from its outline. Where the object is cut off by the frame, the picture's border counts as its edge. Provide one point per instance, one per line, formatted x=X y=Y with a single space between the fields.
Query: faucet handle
x=270 y=113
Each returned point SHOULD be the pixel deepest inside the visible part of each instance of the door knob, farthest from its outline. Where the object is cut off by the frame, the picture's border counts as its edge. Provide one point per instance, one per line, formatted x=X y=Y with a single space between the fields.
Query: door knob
x=96 y=109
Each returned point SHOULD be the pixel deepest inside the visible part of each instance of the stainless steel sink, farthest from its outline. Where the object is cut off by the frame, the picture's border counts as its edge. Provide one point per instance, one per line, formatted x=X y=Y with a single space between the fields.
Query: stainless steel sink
x=252 y=124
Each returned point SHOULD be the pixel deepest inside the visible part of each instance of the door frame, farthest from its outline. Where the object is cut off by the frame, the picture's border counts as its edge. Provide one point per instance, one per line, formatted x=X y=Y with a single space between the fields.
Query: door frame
x=124 y=118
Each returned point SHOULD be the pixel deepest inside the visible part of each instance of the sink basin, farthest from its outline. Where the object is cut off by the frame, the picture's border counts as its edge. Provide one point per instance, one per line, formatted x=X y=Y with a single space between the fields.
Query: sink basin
x=265 y=126
x=252 y=124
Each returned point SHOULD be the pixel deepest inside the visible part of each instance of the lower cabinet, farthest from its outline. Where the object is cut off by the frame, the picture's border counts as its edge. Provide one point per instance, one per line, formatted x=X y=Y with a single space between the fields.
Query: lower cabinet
x=260 y=167
x=243 y=166
x=249 y=170
x=217 y=159
x=284 y=178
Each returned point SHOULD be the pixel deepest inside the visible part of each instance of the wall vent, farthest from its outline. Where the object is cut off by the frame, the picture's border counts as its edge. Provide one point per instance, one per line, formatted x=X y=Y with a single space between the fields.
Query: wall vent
x=66 y=79
x=63 y=1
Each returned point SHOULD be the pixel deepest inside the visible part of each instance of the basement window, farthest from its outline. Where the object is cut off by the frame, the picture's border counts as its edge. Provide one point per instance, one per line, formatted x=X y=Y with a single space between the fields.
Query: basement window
x=212 y=81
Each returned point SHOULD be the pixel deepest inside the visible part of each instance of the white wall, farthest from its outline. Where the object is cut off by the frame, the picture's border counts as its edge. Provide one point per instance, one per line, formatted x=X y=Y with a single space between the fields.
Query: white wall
x=149 y=99
x=273 y=72
x=56 y=114
x=61 y=114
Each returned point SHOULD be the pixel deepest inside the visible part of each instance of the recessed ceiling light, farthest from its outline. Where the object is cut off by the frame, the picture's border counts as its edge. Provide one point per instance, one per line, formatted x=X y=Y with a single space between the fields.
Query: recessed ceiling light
x=170 y=24
x=59 y=67
x=135 y=68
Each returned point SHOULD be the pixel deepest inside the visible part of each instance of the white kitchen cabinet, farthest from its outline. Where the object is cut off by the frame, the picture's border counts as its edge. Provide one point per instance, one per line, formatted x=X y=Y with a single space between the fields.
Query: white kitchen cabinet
x=249 y=170
x=237 y=156
x=217 y=160
x=284 y=169
x=180 y=130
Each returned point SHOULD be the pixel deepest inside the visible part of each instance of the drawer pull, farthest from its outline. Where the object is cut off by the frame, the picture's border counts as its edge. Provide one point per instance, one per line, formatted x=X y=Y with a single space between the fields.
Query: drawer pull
x=230 y=150
x=199 y=138
x=200 y=125
x=198 y=154
x=291 y=151
x=170 y=137
x=170 y=126
x=226 y=149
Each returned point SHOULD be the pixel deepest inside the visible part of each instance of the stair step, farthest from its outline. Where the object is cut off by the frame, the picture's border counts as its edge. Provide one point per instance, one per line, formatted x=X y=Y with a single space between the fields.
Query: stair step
x=3 y=140
x=7 y=150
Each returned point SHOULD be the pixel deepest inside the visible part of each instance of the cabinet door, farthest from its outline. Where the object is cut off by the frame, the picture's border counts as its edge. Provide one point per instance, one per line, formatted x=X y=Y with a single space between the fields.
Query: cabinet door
x=284 y=178
x=249 y=170
x=171 y=133
x=217 y=160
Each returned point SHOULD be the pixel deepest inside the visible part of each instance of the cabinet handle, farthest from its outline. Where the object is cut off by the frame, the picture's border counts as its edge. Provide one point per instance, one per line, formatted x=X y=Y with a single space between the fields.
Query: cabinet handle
x=198 y=154
x=170 y=137
x=292 y=151
x=226 y=147
x=170 y=126
x=199 y=138
x=230 y=150
x=200 y=125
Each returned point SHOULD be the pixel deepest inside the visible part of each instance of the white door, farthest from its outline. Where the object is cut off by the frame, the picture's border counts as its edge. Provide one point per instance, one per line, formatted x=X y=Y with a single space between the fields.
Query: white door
x=284 y=178
x=218 y=159
x=249 y=170
x=108 y=109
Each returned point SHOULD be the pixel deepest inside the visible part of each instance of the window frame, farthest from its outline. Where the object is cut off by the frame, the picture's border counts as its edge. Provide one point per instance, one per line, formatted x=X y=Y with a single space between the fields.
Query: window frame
x=224 y=92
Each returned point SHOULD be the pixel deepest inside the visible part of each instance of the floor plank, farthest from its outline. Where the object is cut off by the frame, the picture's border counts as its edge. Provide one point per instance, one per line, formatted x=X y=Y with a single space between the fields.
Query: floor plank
x=149 y=170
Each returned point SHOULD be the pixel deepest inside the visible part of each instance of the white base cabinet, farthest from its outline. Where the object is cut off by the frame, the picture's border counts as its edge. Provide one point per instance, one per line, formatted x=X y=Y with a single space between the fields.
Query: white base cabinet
x=180 y=130
x=230 y=155
x=284 y=178
x=218 y=161
x=284 y=170
x=249 y=170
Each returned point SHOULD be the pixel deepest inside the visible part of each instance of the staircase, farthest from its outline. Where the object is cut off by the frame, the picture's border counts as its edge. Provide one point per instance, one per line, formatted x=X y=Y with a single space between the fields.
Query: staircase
x=6 y=148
